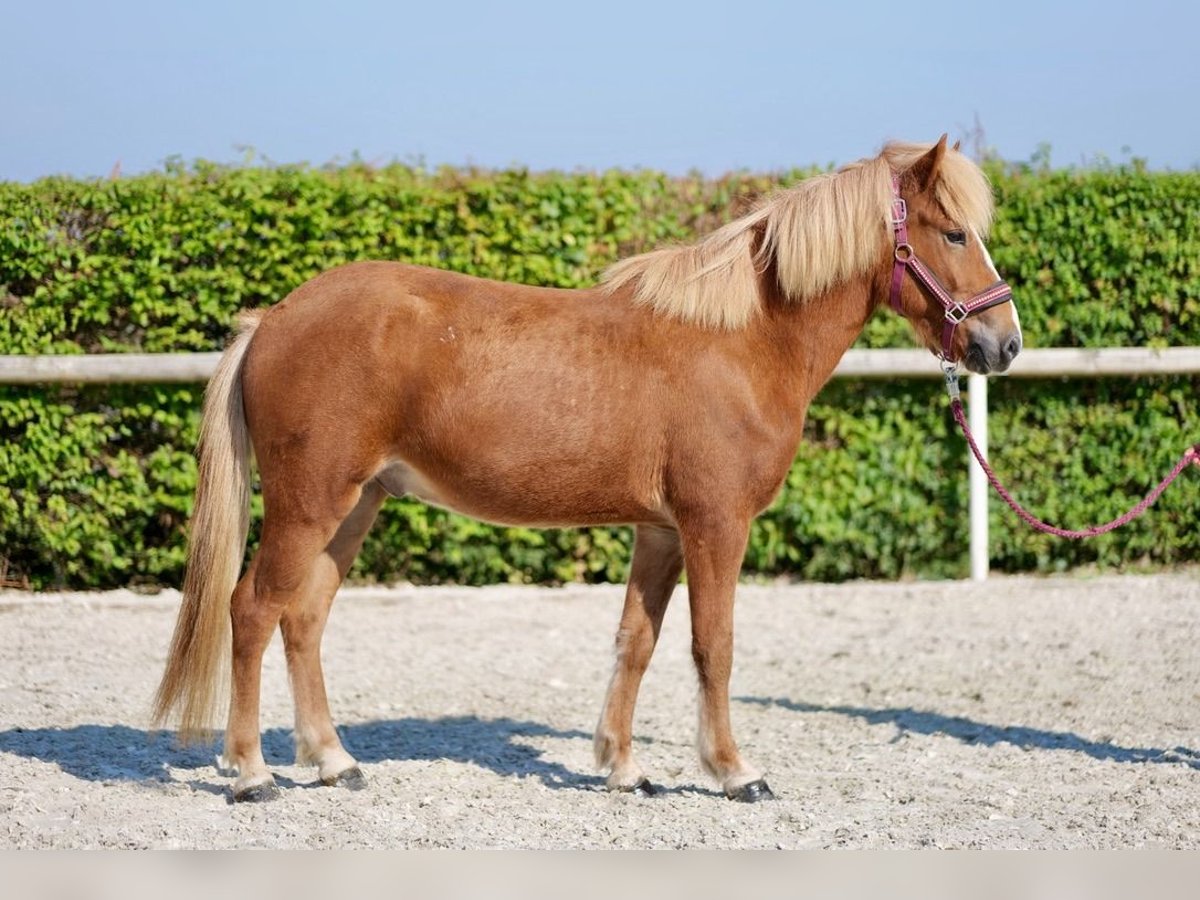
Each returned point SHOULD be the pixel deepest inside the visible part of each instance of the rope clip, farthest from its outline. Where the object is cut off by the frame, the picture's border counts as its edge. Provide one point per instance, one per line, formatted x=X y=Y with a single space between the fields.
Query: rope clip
x=950 y=373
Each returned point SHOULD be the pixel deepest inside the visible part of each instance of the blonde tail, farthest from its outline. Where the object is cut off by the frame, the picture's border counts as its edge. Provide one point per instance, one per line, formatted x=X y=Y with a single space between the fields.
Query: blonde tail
x=196 y=679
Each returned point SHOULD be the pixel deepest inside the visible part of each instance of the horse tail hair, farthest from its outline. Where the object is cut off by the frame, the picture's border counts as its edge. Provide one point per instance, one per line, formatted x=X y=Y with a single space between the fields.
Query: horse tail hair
x=195 y=682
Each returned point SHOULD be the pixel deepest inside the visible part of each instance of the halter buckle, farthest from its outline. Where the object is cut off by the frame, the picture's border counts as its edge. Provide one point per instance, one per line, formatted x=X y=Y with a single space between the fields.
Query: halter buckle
x=899 y=211
x=957 y=313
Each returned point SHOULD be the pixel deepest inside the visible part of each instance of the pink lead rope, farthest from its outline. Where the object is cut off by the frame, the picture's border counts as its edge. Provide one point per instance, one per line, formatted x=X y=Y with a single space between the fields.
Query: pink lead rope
x=1191 y=456
x=956 y=312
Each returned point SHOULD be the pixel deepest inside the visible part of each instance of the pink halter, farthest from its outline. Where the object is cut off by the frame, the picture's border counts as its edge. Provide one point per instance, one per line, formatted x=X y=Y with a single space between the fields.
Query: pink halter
x=906 y=258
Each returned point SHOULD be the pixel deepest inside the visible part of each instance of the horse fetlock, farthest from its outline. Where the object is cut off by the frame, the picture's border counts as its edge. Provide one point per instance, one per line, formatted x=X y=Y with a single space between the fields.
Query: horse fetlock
x=625 y=775
x=729 y=769
x=326 y=753
x=604 y=748
x=254 y=782
x=225 y=765
x=307 y=755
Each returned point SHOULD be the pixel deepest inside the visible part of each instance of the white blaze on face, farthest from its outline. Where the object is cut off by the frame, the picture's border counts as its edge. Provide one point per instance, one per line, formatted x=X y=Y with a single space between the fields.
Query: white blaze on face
x=992 y=267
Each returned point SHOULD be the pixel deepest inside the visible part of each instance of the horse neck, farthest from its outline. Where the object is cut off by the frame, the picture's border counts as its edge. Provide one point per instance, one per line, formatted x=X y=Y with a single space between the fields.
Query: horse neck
x=808 y=339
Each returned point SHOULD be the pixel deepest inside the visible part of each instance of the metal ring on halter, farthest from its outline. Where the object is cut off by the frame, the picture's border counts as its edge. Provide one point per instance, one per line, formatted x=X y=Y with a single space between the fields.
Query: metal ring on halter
x=904 y=252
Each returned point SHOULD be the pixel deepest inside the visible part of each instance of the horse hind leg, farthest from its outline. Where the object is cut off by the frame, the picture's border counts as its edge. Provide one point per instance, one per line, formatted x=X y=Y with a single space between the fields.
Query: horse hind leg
x=657 y=563
x=277 y=575
x=242 y=751
x=290 y=578
x=302 y=624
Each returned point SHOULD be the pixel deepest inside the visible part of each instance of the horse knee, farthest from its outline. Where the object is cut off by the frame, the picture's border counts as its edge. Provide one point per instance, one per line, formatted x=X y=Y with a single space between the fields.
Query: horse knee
x=634 y=649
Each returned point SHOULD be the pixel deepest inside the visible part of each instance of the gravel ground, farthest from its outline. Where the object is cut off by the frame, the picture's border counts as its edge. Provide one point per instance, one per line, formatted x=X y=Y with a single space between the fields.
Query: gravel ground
x=1049 y=713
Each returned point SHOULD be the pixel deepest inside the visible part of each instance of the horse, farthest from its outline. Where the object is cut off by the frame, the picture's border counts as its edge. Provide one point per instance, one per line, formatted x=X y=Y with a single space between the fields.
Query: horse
x=670 y=397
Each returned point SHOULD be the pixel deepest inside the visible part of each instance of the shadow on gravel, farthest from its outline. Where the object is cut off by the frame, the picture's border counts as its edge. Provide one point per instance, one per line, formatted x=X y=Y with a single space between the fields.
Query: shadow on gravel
x=105 y=752
x=908 y=720
x=498 y=745
x=119 y=753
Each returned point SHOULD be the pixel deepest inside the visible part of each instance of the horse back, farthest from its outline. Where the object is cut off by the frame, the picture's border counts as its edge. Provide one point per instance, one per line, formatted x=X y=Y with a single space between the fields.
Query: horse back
x=510 y=403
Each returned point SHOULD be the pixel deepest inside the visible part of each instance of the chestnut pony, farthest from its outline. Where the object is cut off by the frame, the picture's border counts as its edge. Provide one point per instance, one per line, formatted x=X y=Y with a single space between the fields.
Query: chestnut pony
x=670 y=397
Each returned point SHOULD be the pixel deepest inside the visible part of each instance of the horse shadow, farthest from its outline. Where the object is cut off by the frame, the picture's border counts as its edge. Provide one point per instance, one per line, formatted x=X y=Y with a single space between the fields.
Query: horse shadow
x=907 y=720
x=109 y=753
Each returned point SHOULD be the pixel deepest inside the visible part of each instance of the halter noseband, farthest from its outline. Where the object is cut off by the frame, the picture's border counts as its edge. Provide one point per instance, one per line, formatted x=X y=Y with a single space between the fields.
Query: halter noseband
x=906 y=258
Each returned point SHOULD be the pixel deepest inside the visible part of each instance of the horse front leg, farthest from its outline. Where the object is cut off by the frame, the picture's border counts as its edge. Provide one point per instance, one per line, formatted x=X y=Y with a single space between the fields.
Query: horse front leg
x=653 y=574
x=713 y=552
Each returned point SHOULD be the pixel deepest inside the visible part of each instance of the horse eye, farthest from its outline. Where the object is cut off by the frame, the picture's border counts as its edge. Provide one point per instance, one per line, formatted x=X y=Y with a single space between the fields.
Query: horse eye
x=957 y=237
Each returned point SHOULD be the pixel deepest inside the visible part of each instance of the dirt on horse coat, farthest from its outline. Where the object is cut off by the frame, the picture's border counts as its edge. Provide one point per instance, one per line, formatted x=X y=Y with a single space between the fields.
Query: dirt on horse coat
x=671 y=397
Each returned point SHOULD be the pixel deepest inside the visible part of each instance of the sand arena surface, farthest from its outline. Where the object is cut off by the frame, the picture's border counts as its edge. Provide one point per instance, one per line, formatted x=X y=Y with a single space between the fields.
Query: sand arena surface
x=1023 y=712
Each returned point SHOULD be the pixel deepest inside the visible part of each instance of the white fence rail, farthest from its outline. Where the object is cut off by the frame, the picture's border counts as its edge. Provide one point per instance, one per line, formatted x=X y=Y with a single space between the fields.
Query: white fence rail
x=108 y=368
x=159 y=368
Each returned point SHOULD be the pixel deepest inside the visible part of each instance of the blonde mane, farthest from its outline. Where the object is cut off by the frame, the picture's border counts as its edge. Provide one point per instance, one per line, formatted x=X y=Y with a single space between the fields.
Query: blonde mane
x=820 y=233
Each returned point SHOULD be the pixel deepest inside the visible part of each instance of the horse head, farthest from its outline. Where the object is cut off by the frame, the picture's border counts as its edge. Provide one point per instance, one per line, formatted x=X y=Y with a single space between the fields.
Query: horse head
x=956 y=301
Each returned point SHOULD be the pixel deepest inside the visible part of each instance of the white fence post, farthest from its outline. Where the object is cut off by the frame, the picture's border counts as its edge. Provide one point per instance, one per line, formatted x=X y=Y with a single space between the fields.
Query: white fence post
x=976 y=480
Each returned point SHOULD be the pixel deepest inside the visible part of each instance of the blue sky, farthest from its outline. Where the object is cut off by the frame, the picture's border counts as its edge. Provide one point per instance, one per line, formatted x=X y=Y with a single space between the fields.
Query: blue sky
x=568 y=85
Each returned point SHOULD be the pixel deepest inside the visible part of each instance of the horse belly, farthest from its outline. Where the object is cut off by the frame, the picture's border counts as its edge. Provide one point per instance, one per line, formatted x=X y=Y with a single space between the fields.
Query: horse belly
x=400 y=480
x=547 y=496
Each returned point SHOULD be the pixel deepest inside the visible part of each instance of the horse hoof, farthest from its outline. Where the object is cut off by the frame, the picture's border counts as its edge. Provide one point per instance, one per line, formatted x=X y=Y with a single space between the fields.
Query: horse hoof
x=751 y=792
x=352 y=779
x=642 y=789
x=258 y=793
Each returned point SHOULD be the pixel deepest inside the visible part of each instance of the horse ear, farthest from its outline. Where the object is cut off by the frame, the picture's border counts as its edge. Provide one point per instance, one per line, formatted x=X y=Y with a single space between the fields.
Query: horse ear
x=957 y=146
x=925 y=169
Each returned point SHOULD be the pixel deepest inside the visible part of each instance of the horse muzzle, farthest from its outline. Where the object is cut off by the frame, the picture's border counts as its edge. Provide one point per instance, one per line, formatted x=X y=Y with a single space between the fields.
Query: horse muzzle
x=987 y=353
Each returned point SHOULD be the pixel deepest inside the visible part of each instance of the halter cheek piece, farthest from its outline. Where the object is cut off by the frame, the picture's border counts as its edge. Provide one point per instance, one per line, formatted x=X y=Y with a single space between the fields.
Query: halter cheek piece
x=906 y=259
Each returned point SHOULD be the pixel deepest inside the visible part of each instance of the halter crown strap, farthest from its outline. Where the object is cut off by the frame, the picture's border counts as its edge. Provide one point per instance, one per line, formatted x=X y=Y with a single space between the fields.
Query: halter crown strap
x=906 y=260
x=903 y=251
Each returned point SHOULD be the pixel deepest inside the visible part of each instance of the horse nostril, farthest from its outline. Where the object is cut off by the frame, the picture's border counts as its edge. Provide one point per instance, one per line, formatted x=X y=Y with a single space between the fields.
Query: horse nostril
x=1012 y=348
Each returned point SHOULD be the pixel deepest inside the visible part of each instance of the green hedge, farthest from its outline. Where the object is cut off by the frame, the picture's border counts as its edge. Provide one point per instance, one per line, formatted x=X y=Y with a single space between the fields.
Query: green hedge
x=95 y=483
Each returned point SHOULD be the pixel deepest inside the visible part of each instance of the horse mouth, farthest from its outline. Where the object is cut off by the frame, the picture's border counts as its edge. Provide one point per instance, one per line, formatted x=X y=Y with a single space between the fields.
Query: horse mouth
x=976 y=361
